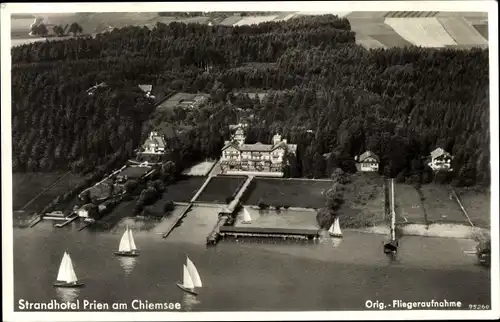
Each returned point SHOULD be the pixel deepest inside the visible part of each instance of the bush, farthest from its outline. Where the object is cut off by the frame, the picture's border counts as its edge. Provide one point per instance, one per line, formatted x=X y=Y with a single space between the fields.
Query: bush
x=168 y=206
x=263 y=206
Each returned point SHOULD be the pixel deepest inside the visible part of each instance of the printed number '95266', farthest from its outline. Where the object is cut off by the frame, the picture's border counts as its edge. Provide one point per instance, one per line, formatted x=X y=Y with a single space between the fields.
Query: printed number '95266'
x=479 y=307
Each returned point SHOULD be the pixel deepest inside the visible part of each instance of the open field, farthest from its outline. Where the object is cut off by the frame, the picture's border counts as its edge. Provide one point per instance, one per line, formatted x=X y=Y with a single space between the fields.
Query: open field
x=254 y=20
x=184 y=189
x=408 y=205
x=27 y=185
x=440 y=208
x=291 y=219
x=134 y=172
x=200 y=169
x=477 y=204
x=369 y=42
x=375 y=28
x=122 y=210
x=286 y=192
x=220 y=188
x=363 y=201
x=425 y=32
x=229 y=21
x=482 y=29
x=410 y=14
x=461 y=31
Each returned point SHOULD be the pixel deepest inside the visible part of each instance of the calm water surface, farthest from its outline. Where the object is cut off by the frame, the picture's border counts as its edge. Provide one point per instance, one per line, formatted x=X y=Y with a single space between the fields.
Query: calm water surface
x=245 y=275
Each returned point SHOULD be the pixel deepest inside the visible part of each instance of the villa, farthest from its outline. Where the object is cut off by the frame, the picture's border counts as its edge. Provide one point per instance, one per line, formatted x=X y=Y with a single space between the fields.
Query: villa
x=440 y=160
x=257 y=159
x=367 y=162
x=154 y=144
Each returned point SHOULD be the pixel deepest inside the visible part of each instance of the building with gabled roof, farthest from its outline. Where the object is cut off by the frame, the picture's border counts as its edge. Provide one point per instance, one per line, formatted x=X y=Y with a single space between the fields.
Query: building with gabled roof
x=440 y=160
x=367 y=162
x=256 y=159
x=154 y=144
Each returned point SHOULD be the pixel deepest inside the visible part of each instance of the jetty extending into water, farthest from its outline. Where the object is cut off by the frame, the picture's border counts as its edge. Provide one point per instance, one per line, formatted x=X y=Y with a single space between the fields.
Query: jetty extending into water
x=284 y=233
x=176 y=221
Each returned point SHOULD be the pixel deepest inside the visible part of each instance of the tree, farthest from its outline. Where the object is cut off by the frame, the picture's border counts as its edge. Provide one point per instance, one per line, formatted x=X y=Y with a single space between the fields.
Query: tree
x=75 y=29
x=168 y=206
x=39 y=30
x=58 y=30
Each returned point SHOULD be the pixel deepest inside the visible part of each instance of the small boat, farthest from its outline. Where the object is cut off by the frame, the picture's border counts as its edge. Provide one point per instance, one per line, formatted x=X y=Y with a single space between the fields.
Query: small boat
x=127 y=245
x=66 y=276
x=247 y=219
x=391 y=247
x=335 y=228
x=191 y=278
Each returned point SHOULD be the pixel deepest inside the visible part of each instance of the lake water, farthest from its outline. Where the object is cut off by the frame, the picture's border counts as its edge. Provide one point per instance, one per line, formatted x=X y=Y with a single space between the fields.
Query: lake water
x=249 y=275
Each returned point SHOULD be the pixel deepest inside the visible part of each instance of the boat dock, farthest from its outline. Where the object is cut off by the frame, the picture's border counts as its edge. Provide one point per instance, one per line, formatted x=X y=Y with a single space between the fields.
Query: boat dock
x=35 y=221
x=176 y=221
x=213 y=238
x=69 y=220
x=284 y=233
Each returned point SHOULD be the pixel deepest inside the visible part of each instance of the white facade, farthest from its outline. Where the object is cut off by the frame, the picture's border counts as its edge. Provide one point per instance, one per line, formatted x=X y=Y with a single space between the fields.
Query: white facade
x=369 y=164
x=440 y=160
x=155 y=144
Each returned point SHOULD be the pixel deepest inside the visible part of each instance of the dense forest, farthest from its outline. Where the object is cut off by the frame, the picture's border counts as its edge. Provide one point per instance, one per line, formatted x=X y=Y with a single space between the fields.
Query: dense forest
x=333 y=98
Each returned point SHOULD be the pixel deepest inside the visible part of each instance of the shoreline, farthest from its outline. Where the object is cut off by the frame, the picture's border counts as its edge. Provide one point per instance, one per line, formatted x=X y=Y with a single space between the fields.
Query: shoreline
x=441 y=230
x=437 y=230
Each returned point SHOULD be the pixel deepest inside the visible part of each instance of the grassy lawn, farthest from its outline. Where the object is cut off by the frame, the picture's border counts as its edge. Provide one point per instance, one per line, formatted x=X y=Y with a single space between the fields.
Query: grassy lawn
x=184 y=189
x=409 y=208
x=440 y=207
x=477 y=204
x=363 y=202
x=291 y=219
x=122 y=210
x=220 y=188
x=27 y=185
x=286 y=192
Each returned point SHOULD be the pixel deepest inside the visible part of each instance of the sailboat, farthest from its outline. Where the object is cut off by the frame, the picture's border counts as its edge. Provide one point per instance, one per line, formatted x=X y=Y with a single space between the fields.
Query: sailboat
x=191 y=278
x=335 y=228
x=127 y=245
x=247 y=219
x=66 y=276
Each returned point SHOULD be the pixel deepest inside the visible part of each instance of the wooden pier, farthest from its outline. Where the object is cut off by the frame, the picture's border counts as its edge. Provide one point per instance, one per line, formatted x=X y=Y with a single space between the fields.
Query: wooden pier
x=282 y=233
x=213 y=238
x=176 y=221
x=35 y=221
x=68 y=221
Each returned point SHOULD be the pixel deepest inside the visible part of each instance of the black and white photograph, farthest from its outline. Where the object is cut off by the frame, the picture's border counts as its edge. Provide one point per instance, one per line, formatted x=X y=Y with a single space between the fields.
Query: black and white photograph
x=250 y=161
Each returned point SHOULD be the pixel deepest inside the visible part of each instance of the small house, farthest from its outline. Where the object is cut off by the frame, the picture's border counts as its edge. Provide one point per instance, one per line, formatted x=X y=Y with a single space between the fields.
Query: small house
x=440 y=160
x=87 y=211
x=368 y=162
x=155 y=144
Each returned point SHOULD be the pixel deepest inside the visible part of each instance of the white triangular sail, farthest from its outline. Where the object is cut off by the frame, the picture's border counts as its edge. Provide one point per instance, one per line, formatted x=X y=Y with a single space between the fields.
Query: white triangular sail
x=246 y=216
x=62 y=274
x=331 y=229
x=131 y=240
x=71 y=271
x=125 y=242
x=336 y=227
x=187 y=281
x=193 y=272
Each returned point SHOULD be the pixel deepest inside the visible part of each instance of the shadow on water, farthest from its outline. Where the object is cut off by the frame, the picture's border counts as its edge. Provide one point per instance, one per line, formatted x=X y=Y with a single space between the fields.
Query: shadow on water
x=189 y=301
x=128 y=263
x=67 y=294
